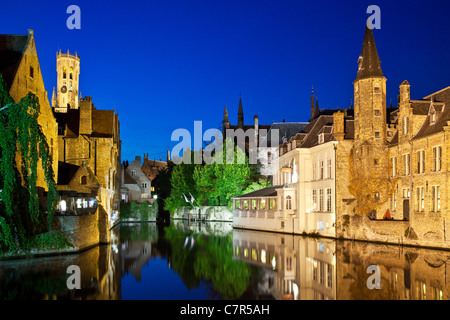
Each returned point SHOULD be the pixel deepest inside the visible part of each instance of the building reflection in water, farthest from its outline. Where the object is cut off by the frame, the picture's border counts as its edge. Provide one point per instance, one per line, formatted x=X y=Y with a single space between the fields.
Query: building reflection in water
x=290 y=267
x=276 y=266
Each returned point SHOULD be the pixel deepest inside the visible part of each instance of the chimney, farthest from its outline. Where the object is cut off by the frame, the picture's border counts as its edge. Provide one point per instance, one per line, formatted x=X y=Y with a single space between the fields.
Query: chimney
x=168 y=155
x=138 y=160
x=338 y=125
x=86 y=116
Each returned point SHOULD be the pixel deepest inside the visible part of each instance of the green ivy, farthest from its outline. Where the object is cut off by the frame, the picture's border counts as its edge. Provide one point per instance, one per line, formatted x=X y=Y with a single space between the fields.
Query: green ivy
x=22 y=143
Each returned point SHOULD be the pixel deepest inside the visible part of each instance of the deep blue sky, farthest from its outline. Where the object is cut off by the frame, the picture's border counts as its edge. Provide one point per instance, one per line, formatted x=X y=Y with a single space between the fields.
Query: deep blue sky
x=164 y=64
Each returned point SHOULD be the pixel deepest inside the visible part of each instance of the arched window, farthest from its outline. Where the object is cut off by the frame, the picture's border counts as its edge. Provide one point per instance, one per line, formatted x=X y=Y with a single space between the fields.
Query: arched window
x=64 y=73
x=83 y=180
x=71 y=73
x=288 y=203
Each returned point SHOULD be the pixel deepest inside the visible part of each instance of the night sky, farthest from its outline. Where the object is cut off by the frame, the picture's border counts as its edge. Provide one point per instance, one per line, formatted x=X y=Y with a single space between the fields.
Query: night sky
x=165 y=64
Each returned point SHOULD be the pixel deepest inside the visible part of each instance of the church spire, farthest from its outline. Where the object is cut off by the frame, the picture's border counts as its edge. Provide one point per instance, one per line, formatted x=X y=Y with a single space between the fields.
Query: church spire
x=240 y=114
x=225 y=121
x=369 y=64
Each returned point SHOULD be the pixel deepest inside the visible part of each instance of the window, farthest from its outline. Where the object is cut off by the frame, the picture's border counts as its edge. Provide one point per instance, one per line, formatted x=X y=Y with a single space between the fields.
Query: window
x=269 y=157
x=435 y=199
x=237 y=204
x=133 y=173
x=83 y=180
x=288 y=203
x=31 y=72
x=314 y=173
x=376 y=88
x=272 y=204
x=330 y=275
x=329 y=168
x=421 y=161
x=433 y=117
x=377 y=112
x=71 y=73
x=394 y=166
x=144 y=185
x=321 y=200
x=263 y=204
x=314 y=200
x=328 y=200
x=437 y=158
x=405 y=125
x=406 y=193
x=254 y=204
x=377 y=134
x=420 y=199
x=321 y=170
x=321 y=138
x=64 y=73
x=406 y=164
x=245 y=204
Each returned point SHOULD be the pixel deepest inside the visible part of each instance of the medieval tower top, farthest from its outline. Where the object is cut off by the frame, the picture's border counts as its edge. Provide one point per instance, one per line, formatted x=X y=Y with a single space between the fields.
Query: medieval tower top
x=370 y=95
x=68 y=76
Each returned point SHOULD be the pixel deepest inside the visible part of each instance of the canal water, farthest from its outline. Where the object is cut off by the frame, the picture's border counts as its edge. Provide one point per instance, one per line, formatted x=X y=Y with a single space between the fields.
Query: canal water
x=198 y=261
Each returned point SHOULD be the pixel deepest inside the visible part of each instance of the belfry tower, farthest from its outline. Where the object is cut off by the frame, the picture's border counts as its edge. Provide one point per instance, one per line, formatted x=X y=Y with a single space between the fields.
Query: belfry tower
x=68 y=76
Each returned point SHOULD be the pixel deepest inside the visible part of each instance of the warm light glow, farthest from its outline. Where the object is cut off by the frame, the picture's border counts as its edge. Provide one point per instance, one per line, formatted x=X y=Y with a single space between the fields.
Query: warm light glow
x=263 y=256
x=62 y=206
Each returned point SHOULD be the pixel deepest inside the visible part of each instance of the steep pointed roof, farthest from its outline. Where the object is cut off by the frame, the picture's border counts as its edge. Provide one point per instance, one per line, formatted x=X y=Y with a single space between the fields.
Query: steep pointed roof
x=240 y=114
x=369 y=64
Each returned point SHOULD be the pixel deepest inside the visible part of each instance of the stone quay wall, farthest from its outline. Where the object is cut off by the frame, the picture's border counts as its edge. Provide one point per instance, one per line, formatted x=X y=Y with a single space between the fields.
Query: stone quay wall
x=208 y=213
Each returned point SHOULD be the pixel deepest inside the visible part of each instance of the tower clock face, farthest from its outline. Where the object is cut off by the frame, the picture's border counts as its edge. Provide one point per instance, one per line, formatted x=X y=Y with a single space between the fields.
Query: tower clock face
x=63 y=89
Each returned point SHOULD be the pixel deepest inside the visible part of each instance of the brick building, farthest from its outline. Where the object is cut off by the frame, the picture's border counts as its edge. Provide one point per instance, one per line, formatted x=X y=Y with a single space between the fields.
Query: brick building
x=21 y=71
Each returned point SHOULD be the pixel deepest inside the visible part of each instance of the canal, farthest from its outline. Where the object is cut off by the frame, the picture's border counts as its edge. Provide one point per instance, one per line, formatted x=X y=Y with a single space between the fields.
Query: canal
x=198 y=261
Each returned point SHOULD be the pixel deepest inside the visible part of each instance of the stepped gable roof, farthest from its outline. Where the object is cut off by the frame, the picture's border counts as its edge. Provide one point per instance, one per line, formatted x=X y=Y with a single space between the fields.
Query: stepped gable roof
x=265 y=192
x=12 y=48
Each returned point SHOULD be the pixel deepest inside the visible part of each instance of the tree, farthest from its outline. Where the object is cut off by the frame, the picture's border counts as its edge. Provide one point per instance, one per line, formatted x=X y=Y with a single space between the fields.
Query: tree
x=22 y=143
x=182 y=183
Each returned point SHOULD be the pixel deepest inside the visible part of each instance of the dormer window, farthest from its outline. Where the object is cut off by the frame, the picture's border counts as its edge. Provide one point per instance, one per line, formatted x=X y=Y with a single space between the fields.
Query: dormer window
x=433 y=118
x=321 y=138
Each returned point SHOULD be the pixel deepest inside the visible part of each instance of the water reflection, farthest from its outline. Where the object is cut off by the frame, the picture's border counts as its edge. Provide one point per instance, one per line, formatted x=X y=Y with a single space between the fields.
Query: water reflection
x=213 y=261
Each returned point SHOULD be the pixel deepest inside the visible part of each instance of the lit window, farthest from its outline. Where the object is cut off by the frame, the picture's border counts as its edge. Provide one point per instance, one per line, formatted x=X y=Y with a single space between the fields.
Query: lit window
x=263 y=204
x=245 y=204
x=321 y=200
x=62 y=206
x=288 y=203
x=254 y=204
x=437 y=158
x=272 y=204
x=238 y=204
